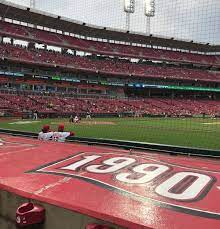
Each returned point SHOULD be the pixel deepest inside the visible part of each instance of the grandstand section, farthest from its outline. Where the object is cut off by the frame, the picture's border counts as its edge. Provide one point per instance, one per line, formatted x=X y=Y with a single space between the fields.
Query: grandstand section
x=60 y=72
x=105 y=48
x=99 y=65
x=65 y=105
x=83 y=30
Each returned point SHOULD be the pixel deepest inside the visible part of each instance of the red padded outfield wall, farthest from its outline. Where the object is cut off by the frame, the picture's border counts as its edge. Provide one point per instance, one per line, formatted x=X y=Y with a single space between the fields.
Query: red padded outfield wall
x=131 y=189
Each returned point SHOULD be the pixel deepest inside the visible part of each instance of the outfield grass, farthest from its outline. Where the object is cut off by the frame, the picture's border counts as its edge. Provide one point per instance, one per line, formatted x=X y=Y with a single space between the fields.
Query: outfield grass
x=191 y=132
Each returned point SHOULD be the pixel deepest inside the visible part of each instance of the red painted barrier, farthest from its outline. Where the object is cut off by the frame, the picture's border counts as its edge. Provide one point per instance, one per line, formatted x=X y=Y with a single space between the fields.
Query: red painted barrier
x=133 y=190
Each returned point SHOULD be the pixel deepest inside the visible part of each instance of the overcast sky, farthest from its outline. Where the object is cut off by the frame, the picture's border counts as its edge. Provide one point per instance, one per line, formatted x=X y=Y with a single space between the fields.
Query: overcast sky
x=197 y=20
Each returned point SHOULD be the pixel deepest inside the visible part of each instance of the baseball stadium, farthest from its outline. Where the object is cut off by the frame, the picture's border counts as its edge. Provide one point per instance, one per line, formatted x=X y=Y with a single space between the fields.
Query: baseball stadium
x=109 y=114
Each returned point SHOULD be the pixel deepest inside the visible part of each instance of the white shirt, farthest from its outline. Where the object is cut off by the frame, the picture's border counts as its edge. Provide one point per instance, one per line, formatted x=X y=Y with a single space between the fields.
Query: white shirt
x=60 y=136
x=45 y=136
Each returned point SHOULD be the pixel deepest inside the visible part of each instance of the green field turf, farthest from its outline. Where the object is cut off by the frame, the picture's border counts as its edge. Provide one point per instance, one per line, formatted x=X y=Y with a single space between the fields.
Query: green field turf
x=191 y=132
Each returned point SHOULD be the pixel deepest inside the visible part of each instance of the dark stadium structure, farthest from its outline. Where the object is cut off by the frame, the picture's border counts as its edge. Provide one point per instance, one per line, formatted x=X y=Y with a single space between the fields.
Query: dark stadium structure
x=109 y=73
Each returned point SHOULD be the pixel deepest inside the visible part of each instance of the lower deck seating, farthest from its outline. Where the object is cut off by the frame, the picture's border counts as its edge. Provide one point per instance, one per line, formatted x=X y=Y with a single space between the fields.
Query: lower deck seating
x=153 y=106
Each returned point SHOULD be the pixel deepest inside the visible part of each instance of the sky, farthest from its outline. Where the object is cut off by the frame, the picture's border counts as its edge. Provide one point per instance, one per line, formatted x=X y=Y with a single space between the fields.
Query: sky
x=197 y=20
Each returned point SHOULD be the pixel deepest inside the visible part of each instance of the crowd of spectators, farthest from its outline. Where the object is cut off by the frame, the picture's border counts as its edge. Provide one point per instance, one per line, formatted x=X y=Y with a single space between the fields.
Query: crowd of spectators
x=67 y=105
x=108 y=66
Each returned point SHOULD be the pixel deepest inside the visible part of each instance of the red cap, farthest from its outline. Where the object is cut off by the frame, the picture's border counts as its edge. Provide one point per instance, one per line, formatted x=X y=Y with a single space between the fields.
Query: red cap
x=46 y=128
x=61 y=127
x=72 y=133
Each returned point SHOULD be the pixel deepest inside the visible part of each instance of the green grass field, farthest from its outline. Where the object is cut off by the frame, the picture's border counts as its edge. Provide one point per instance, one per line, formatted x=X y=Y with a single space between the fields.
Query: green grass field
x=191 y=132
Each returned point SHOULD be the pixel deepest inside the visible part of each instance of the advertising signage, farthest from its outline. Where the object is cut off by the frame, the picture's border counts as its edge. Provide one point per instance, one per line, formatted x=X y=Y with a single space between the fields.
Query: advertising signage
x=40 y=77
x=11 y=73
x=56 y=78
x=171 y=87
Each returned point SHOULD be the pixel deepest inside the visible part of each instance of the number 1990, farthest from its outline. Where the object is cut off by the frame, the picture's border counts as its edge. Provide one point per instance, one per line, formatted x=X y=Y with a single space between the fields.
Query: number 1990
x=181 y=186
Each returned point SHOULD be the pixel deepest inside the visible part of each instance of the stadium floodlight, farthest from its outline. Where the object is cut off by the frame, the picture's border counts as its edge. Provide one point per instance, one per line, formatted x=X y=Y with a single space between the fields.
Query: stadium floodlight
x=149 y=8
x=149 y=12
x=129 y=7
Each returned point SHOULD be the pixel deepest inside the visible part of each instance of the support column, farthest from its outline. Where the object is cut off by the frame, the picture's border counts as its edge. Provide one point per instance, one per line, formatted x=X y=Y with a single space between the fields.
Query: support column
x=64 y=50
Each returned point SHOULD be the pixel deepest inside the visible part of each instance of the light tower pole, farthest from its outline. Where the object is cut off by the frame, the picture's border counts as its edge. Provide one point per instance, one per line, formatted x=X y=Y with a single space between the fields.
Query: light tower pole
x=129 y=7
x=147 y=25
x=149 y=12
x=128 y=21
x=32 y=4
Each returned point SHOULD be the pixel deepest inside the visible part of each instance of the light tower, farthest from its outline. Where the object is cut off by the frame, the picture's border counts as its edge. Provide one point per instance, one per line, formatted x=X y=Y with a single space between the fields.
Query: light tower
x=149 y=12
x=32 y=4
x=129 y=6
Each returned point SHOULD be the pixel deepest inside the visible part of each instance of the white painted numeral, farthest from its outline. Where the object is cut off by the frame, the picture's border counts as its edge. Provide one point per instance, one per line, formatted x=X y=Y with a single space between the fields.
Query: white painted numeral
x=147 y=175
x=84 y=161
x=113 y=165
x=189 y=192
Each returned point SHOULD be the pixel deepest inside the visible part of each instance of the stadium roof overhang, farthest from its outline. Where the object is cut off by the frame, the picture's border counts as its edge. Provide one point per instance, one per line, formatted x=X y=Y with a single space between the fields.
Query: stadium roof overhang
x=36 y=17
